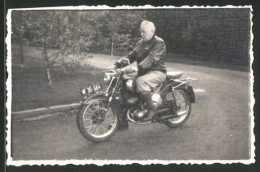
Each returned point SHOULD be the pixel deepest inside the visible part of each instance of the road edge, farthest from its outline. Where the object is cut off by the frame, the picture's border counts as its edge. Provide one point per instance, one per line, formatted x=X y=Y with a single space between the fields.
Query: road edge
x=41 y=111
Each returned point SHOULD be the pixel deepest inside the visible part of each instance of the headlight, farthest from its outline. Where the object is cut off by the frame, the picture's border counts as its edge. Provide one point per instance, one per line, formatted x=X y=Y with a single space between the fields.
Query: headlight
x=107 y=78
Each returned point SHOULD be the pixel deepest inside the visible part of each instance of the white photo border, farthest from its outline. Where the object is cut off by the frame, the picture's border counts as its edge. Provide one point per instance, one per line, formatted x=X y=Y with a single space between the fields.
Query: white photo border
x=10 y=160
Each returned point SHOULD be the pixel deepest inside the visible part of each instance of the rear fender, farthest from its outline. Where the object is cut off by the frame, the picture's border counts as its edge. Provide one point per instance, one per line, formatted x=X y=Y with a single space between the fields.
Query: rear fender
x=186 y=87
x=190 y=92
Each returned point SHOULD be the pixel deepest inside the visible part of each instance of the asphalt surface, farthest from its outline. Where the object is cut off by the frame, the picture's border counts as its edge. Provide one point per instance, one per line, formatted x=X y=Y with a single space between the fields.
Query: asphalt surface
x=218 y=128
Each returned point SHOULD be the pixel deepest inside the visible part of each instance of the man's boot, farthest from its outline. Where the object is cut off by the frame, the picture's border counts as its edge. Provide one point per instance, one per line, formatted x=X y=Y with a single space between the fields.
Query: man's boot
x=123 y=123
x=147 y=98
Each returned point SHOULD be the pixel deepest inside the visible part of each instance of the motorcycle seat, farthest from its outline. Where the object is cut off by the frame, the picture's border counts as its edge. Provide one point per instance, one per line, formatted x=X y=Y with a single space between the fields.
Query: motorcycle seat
x=173 y=75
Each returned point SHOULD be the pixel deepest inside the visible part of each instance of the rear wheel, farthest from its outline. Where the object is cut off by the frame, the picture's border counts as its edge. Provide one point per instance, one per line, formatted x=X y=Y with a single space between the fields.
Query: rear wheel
x=183 y=108
x=96 y=121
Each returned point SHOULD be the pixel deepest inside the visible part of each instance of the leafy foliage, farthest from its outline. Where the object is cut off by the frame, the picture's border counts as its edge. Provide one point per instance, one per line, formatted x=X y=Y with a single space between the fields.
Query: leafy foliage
x=216 y=35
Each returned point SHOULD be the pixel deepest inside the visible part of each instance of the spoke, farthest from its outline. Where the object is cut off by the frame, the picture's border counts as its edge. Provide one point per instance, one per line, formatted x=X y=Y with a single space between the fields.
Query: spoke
x=109 y=121
x=107 y=117
x=90 y=112
x=96 y=129
x=104 y=129
x=101 y=128
x=96 y=104
x=87 y=114
x=87 y=124
x=92 y=130
x=88 y=127
x=101 y=105
x=110 y=118
x=109 y=113
x=96 y=108
x=87 y=119
x=89 y=108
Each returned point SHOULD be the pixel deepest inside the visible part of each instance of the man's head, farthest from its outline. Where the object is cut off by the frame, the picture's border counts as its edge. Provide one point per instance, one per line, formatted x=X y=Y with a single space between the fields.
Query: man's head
x=147 y=30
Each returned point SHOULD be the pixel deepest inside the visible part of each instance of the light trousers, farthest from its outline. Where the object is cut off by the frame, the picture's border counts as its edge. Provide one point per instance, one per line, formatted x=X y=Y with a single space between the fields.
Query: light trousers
x=150 y=80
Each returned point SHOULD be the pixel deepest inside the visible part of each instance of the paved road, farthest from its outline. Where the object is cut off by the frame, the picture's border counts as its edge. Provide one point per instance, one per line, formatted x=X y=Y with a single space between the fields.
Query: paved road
x=218 y=128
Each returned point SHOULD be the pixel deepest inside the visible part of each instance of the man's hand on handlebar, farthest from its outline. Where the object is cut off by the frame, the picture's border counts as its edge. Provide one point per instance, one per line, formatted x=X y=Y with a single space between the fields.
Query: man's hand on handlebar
x=118 y=66
x=128 y=69
x=123 y=60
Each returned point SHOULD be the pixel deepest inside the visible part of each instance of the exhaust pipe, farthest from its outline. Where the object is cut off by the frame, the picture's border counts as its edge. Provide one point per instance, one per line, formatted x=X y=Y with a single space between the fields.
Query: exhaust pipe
x=168 y=116
x=162 y=111
x=181 y=113
x=168 y=109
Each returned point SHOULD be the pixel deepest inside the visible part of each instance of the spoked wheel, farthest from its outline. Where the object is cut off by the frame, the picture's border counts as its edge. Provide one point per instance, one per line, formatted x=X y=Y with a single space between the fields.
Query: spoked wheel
x=183 y=103
x=96 y=121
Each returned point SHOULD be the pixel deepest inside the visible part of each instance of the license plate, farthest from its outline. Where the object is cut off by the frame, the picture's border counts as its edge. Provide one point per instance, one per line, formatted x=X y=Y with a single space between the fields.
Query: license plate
x=93 y=89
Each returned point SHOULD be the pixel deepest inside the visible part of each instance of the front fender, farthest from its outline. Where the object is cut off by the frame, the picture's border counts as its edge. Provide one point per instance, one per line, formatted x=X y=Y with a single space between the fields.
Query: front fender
x=115 y=103
x=96 y=95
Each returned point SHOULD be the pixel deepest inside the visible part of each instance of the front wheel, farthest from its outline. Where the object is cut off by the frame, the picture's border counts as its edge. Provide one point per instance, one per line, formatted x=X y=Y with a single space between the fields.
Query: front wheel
x=96 y=121
x=183 y=103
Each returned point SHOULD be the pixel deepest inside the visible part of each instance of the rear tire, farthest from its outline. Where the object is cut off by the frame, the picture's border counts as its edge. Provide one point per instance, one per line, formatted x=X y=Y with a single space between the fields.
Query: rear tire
x=184 y=104
x=94 y=124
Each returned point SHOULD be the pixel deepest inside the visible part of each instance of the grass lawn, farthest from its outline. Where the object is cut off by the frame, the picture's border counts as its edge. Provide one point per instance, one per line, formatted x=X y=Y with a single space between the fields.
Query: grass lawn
x=30 y=87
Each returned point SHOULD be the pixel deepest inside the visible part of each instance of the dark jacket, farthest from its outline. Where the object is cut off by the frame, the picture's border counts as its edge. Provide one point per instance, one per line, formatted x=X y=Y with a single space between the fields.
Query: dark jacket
x=149 y=55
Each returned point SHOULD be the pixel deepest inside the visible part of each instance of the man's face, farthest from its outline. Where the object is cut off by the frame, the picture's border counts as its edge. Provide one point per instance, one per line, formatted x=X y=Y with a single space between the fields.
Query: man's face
x=146 y=33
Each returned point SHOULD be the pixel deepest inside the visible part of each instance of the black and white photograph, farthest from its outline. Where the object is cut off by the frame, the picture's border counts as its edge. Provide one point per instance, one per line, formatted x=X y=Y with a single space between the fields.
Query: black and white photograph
x=122 y=85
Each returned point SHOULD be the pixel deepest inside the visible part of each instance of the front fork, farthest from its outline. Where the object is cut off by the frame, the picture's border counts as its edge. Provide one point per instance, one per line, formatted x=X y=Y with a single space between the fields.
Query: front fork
x=111 y=96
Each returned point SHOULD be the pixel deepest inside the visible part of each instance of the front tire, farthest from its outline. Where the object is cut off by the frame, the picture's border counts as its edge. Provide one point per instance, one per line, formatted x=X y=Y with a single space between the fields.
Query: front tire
x=96 y=121
x=183 y=103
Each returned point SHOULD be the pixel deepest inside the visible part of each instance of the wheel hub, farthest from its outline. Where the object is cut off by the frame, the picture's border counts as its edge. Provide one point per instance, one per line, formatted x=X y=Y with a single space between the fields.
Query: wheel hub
x=98 y=117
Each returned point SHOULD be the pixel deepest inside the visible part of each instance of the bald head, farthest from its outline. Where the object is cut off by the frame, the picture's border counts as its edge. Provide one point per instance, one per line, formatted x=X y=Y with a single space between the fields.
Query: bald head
x=147 y=30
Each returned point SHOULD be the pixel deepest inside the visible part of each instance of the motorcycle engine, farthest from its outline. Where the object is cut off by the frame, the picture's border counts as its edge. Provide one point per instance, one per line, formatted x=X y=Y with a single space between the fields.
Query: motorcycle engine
x=157 y=101
x=140 y=114
x=130 y=86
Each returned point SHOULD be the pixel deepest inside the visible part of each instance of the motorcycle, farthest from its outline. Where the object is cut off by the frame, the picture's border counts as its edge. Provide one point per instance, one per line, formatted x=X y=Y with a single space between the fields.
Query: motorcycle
x=102 y=112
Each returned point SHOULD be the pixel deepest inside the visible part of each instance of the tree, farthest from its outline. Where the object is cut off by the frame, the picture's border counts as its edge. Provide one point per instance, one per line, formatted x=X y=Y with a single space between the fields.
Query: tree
x=19 y=27
x=46 y=30
x=75 y=40
x=119 y=27
x=61 y=32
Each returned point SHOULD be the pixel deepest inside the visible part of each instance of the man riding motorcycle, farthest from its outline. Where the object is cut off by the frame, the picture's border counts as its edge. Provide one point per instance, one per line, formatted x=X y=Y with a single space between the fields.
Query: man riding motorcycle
x=149 y=53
